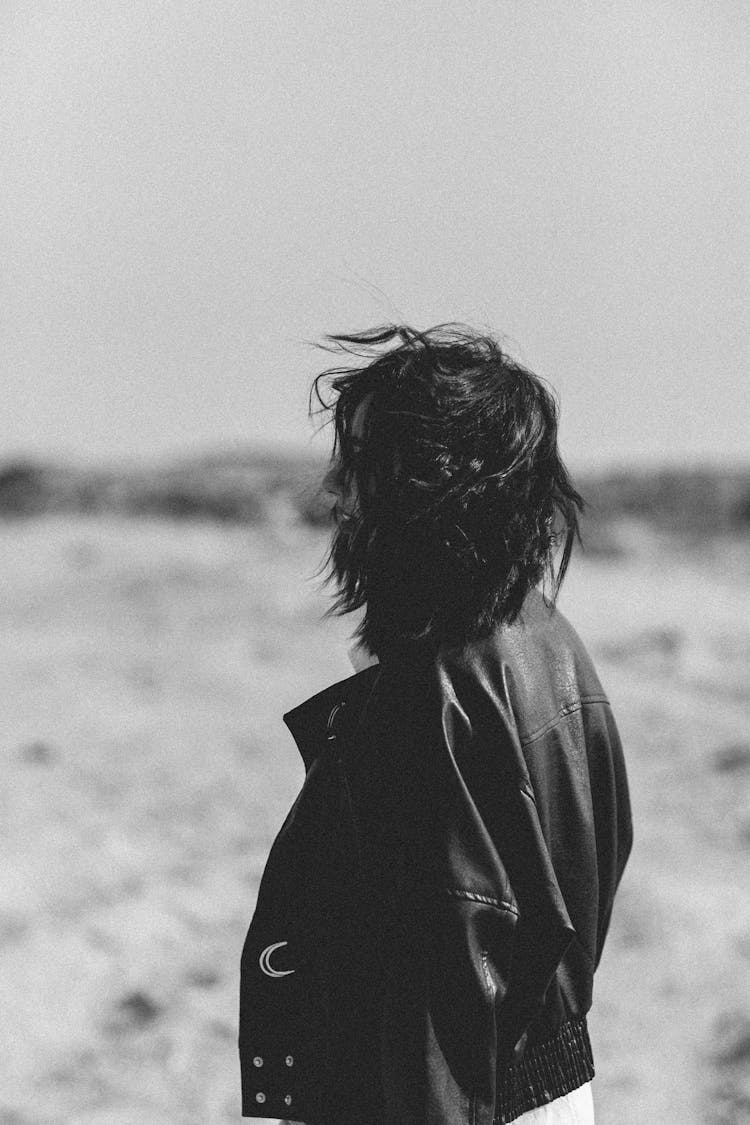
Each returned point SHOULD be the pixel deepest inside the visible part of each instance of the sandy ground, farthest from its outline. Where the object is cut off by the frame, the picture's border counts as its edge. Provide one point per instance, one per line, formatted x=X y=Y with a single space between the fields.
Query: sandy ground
x=146 y=666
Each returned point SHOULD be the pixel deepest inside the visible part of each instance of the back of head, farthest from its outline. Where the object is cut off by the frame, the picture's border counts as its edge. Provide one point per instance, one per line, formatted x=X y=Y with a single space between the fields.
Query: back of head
x=463 y=502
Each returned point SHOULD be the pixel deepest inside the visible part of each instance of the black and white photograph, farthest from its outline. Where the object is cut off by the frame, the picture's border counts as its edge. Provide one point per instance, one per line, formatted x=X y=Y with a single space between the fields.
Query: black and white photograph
x=375 y=584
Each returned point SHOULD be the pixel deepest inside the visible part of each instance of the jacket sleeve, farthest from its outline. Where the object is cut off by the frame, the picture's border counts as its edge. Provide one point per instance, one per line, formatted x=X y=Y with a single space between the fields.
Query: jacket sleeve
x=613 y=821
x=475 y=925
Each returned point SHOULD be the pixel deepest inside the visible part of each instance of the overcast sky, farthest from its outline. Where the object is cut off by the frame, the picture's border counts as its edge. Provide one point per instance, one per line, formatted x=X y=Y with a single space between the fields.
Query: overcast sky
x=191 y=191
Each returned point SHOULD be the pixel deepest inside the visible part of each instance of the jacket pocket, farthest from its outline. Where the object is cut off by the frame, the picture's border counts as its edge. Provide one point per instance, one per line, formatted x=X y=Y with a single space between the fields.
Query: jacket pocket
x=443 y=982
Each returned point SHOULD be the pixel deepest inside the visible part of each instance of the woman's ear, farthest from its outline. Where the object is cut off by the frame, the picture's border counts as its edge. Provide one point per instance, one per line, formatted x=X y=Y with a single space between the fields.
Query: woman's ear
x=361 y=657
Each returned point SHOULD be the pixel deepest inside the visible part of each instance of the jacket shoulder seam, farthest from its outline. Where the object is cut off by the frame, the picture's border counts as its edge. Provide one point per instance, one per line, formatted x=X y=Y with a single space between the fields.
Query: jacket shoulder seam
x=562 y=713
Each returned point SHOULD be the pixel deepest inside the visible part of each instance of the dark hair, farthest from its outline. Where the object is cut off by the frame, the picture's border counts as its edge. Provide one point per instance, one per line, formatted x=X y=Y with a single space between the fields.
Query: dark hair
x=462 y=495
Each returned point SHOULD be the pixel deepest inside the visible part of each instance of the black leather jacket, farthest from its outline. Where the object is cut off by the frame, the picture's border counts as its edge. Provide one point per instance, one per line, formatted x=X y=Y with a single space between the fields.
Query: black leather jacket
x=434 y=907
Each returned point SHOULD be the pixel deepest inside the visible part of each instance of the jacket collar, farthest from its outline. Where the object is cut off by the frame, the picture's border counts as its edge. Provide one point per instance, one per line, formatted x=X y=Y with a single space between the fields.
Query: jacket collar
x=311 y=723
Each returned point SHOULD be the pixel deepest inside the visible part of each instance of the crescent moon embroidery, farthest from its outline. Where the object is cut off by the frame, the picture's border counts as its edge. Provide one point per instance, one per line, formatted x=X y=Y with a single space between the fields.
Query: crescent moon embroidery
x=265 y=962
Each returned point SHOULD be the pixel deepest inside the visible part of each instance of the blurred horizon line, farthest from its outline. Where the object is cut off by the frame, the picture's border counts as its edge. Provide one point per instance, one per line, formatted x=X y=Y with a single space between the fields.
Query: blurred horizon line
x=313 y=451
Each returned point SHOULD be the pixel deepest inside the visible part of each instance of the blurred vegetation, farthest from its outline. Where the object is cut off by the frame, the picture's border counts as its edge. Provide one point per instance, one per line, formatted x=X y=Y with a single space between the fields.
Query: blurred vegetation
x=253 y=487
x=249 y=487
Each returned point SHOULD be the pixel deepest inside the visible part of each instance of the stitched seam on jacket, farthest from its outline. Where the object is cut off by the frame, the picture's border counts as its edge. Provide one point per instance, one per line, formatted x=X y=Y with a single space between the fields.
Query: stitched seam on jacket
x=565 y=710
x=472 y=896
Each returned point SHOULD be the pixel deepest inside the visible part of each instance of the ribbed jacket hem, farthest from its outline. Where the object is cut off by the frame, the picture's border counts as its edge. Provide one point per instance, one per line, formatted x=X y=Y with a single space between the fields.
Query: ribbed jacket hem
x=547 y=1071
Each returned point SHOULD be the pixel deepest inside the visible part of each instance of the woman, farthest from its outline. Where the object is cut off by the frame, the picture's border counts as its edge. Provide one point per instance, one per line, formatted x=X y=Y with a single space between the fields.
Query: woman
x=436 y=903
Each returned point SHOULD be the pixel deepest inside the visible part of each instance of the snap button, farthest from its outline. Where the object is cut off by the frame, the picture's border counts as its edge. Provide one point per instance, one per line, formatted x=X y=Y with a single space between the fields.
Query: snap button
x=287 y=1099
x=257 y=1061
x=289 y=1060
x=260 y=1097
